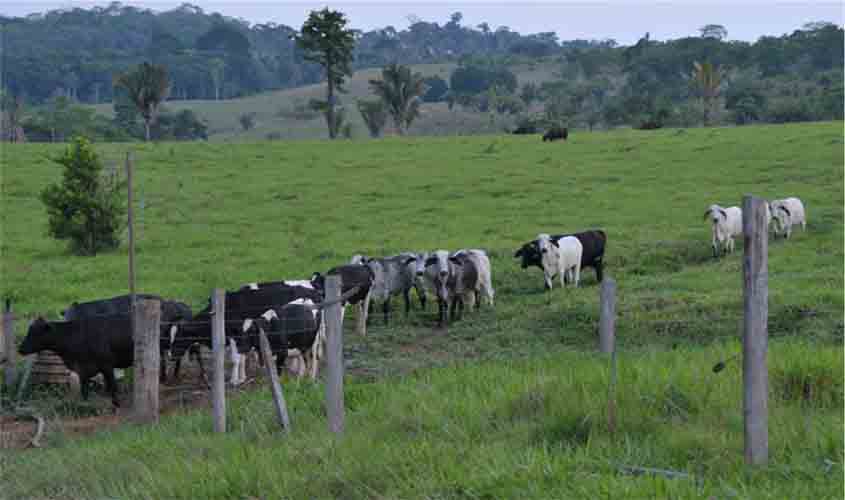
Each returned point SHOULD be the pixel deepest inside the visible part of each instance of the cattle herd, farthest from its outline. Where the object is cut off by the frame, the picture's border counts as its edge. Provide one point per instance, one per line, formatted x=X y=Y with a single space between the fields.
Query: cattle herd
x=95 y=337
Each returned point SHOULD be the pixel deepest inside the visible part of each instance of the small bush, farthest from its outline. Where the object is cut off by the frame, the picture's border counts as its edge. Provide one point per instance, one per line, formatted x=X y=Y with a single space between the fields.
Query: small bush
x=87 y=208
x=247 y=121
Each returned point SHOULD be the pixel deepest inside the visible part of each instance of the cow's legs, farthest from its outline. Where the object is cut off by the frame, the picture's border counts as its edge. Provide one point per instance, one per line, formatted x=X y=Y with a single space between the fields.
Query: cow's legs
x=111 y=385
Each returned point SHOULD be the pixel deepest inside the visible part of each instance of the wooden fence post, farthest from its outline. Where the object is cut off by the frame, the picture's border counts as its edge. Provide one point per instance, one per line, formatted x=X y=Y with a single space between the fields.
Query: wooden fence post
x=11 y=347
x=334 y=356
x=146 y=323
x=218 y=343
x=755 y=340
x=275 y=387
x=607 y=316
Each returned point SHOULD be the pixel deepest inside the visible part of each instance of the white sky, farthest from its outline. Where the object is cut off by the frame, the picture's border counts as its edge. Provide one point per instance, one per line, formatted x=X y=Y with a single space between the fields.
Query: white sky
x=626 y=21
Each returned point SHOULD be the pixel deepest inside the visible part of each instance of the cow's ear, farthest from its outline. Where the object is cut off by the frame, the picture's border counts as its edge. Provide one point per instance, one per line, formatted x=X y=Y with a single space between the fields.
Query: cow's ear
x=555 y=242
x=430 y=261
x=786 y=210
x=707 y=214
x=724 y=214
x=455 y=260
x=409 y=260
x=519 y=253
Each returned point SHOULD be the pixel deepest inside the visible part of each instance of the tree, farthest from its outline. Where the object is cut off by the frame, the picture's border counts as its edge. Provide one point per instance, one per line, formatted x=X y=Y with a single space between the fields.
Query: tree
x=86 y=208
x=708 y=78
x=437 y=88
x=147 y=86
x=374 y=115
x=216 y=69
x=716 y=31
x=327 y=41
x=400 y=90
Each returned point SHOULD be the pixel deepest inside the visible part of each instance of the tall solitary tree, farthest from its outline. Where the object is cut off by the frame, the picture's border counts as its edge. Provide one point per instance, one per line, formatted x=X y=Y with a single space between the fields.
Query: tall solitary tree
x=327 y=41
x=401 y=92
x=147 y=86
x=708 y=78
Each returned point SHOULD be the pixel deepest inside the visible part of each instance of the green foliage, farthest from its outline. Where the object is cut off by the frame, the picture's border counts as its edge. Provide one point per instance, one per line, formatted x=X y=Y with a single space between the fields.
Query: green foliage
x=400 y=90
x=530 y=93
x=60 y=119
x=374 y=114
x=436 y=89
x=473 y=78
x=184 y=125
x=327 y=41
x=86 y=208
x=146 y=86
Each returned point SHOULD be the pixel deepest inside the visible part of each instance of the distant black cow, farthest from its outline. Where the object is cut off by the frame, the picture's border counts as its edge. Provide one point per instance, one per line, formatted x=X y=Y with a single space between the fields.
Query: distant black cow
x=556 y=133
x=172 y=314
x=525 y=130
x=87 y=346
x=592 y=241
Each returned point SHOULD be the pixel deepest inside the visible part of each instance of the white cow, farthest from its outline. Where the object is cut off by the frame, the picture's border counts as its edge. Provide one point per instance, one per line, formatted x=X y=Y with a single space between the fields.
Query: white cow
x=726 y=225
x=561 y=257
x=786 y=213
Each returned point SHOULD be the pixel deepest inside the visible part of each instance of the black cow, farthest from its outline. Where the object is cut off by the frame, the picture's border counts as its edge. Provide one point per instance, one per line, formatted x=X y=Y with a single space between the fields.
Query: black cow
x=241 y=305
x=292 y=326
x=87 y=346
x=172 y=314
x=351 y=275
x=556 y=133
x=592 y=241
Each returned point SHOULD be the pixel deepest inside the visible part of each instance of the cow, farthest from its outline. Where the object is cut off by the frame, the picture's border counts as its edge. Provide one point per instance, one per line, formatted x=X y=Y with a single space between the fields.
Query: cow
x=87 y=346
x=173 y=313
x=593 y=244
x=556 y=133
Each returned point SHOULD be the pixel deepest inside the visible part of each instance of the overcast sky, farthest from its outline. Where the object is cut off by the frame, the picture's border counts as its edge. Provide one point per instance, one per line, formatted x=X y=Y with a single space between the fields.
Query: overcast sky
x=625 y=21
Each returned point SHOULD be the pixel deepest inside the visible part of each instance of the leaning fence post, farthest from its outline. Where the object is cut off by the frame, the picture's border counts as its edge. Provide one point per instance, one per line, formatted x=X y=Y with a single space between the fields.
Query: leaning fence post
x=10 y=347
x=755 y=340
x=218 y=343
x=275 y=387
x=146 y=337
x=334 y=356
x=607 y=316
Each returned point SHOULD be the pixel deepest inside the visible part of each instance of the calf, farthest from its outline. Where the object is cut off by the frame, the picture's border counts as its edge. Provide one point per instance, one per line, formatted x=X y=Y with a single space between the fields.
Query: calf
x=294 y=327
x=87 y=346
x=593 y=243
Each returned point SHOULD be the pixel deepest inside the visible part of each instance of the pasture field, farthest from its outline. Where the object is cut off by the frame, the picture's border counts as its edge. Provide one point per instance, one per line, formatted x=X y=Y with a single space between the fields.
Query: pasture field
x=275 y=114
x=509 y=402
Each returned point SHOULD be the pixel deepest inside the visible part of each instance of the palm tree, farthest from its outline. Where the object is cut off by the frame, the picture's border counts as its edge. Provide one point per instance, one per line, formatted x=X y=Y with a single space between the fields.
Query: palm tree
x=401 y=92
x=147 y=86
x=708 y=78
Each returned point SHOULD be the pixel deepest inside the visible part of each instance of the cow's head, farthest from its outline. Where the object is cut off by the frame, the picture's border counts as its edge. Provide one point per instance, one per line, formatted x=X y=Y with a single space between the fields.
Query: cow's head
x=437 y=268
x=716 y=214
x=781 y=216
x=416 y=262
x=40 y=337
x=530 y=254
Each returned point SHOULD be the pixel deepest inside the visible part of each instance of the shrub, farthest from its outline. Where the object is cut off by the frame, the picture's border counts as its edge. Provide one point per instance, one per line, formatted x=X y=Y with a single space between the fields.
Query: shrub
x=437 y=88
x=86 y=208
x=374 y=115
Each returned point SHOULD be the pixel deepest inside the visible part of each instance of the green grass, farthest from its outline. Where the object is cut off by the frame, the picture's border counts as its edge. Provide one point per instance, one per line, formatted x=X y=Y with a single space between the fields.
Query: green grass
x=525 y=429
x=272 y=110
x=514 y=407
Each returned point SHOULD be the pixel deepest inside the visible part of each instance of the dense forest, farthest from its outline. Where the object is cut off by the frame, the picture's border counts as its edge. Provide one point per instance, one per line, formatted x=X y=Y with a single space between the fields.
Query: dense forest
x=54 y=60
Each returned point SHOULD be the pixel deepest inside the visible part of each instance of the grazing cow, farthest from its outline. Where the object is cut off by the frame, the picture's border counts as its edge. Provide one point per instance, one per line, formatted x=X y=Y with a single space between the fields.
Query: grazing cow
x=556 y=133
x=454 y=277
x=173 y=313
x=392 y=276
x=786 y=213
x=726 y=224
x=593 y=243
x=87 y=346
x=241 y=305
x=560 y=257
